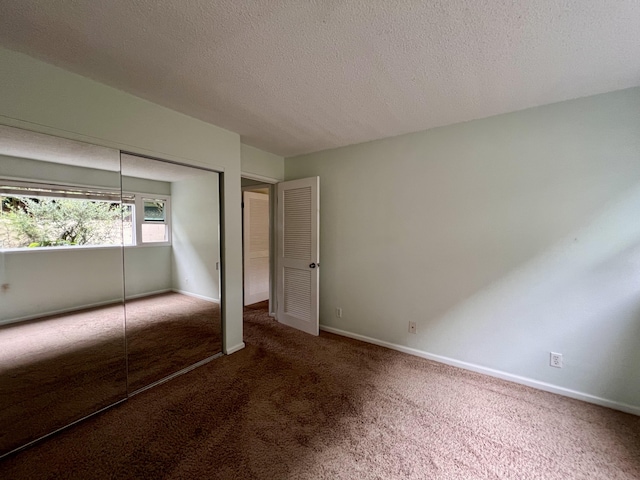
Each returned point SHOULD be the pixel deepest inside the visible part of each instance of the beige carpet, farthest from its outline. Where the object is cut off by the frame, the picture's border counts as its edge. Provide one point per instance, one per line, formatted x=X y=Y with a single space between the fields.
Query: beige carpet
x=292 y=406
x=169 y=332
x=58 y=369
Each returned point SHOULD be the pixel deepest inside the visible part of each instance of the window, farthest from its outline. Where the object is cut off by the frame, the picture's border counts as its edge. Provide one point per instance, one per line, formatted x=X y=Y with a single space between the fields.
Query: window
x=151 y=219
x=34 y=215
x=39 y=215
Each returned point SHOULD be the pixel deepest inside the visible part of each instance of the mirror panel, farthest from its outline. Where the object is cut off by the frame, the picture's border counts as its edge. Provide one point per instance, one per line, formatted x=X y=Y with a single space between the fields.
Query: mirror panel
x=62 y=344
x=172 y=280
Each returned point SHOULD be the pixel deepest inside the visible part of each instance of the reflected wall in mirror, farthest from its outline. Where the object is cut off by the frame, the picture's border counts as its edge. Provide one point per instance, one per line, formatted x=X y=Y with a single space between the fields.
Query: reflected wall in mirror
x=172 y=284
x=62 y=345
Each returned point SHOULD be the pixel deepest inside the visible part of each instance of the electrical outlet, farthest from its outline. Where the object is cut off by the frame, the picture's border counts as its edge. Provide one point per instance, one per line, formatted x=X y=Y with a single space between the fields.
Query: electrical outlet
x=412 y=327
x=555 y=360
x=339 y=312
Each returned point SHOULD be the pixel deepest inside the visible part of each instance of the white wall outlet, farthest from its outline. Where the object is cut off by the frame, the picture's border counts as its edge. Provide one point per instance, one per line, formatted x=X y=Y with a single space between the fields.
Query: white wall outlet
x=412 y=327
x=555 y=360
x=338 y=312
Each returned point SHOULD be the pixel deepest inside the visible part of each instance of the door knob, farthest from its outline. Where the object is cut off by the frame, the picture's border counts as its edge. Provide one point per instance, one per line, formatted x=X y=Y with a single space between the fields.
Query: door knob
x=313 y=265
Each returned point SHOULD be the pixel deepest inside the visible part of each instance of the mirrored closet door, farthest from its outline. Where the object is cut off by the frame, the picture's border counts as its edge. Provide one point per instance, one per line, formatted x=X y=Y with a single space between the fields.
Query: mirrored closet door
x=109 y=279
x=172 y=280
x=62 y=344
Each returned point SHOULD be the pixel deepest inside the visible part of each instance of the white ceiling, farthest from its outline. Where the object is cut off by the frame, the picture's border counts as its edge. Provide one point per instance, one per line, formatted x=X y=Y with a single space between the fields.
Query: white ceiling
x=15 y=142
x=141 y=167
x=295 y=76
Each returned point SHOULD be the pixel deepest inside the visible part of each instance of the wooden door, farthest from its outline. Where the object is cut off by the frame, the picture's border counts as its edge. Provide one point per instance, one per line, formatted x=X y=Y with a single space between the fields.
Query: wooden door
x=256 y=247
x=298 y=250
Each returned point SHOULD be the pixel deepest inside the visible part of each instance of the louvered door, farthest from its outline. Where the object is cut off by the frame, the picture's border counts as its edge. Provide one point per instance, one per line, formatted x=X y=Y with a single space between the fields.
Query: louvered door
x=299 y=254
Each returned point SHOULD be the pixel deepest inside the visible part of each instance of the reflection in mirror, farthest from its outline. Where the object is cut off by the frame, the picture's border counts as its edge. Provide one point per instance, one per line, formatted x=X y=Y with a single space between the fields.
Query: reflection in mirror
x=172 y=285
x=62 y=347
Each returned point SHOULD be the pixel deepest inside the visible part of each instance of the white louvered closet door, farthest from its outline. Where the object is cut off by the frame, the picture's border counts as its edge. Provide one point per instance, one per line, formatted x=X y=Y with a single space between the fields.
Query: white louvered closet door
x=299 y=254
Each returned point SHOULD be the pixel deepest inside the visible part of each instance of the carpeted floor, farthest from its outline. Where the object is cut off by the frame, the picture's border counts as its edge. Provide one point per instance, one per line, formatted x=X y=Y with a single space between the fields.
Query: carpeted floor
x=58 y=369
x=293 y=406
x=169 y=332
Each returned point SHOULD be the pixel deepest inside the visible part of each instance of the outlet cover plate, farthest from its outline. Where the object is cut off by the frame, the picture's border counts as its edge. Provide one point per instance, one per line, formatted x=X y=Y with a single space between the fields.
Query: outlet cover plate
x=555 y=360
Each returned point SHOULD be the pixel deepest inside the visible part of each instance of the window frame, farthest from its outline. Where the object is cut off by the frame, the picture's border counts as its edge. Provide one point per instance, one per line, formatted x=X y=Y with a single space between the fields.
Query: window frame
x=20 y=188
x=94 y=193
x=138 y=218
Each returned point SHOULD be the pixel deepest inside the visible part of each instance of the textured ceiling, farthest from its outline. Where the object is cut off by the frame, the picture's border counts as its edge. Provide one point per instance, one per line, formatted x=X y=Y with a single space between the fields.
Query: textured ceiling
x=140 y=167
x=294 y=76
x=15 y=142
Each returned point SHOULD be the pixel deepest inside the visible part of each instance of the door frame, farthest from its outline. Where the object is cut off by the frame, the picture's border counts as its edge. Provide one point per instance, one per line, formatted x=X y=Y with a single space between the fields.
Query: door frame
x=270 y=183
x=255 y=192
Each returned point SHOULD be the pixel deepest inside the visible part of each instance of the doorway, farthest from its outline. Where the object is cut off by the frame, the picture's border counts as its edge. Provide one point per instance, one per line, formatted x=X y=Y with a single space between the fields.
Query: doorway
x=257 y=243
x=290 y=213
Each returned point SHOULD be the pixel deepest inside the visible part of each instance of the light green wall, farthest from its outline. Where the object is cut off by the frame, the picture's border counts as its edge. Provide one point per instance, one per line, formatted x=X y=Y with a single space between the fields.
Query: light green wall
x=263 y=164
x=194 y=223
x=63 y=278
x=504 y=239
x=43 y=98
x=144 y=185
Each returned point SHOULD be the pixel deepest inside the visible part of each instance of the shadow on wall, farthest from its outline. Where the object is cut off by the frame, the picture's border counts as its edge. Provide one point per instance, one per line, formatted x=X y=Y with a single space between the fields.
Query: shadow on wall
x=583 y=294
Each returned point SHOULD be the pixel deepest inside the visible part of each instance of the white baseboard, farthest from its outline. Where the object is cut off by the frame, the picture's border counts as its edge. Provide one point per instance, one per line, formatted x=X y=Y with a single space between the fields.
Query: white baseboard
x=234 y=349
x=61 y=311
x=195 y=295
x=148 y=294
x=547 y=387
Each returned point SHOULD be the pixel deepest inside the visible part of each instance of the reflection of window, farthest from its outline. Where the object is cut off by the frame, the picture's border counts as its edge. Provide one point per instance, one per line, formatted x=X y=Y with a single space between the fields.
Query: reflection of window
x=154 y=227
x=147 y=219
x=42 y=215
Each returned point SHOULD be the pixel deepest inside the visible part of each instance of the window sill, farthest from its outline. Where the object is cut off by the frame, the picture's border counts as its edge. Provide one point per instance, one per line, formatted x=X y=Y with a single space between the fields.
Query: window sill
x=58 y=249
x=145 y=245
x=83 y=248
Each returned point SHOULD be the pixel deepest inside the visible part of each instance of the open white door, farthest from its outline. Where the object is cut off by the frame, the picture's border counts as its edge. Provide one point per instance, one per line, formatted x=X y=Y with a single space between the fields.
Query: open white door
x=298 y=251
x=256 y=247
